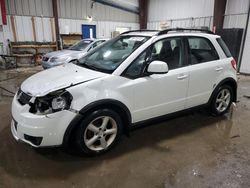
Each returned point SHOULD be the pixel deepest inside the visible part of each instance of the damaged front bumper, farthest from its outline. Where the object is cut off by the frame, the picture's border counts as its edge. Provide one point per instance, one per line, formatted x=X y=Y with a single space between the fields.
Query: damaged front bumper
x=39 y=130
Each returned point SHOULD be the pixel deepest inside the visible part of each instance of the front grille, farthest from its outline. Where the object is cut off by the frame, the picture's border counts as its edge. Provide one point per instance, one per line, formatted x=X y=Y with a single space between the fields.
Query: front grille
x=22 y=97
x=45 y=58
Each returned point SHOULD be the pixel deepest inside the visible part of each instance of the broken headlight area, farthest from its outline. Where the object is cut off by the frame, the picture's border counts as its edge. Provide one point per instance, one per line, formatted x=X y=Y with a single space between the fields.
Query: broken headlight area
x=53 y=102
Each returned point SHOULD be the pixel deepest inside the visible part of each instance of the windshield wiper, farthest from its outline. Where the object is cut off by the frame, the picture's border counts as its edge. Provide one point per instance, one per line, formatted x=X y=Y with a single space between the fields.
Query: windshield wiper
x=88 y=66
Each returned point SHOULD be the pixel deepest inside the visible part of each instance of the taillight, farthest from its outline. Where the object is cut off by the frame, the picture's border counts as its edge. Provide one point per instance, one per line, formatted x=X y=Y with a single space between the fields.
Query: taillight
x=234 y=64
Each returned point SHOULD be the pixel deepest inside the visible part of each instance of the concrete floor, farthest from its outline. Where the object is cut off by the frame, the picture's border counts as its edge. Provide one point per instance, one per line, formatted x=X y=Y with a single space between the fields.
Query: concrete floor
x=193 y=150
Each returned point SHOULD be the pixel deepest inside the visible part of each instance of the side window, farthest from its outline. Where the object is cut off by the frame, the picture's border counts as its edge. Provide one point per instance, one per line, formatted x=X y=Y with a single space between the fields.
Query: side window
x=169 y=50
x=201 y=50
x=135 y=69
x=224 y=47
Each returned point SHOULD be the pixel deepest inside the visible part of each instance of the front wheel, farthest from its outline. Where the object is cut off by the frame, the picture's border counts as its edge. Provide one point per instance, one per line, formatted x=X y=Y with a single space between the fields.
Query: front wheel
x=222 y=100
x=99 y=132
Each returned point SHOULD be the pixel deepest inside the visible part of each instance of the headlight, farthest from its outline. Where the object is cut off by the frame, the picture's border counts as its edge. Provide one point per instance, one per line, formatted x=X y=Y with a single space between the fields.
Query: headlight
x=53 y=102
x=58 y=103
x=58 y=59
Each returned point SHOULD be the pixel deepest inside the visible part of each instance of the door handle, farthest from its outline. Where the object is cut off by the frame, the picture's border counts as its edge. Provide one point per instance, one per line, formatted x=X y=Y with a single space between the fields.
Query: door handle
x=218 y=69
x=182 y=76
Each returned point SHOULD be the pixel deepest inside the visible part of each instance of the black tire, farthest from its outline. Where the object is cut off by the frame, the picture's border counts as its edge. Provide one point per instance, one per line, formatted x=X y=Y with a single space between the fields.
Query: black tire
x=83 y=129
x=214 y=105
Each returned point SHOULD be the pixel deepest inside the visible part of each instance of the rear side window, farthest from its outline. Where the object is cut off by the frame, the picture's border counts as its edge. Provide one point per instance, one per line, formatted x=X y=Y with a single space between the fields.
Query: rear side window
x=224 y=47
x=201 y=50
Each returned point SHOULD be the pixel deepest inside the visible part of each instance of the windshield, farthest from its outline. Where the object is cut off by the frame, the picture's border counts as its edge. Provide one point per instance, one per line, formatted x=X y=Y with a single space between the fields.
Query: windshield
x=110 y=55
x=81 y=45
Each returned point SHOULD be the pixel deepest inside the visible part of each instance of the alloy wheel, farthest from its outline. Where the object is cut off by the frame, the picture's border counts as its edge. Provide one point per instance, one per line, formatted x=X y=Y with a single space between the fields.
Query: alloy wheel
x=100 y=133
x=223 y=100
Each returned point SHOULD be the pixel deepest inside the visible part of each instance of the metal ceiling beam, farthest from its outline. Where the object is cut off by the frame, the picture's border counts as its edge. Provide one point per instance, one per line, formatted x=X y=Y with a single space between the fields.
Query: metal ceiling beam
x=143 y=13
x=120 y=5
x=219 y=12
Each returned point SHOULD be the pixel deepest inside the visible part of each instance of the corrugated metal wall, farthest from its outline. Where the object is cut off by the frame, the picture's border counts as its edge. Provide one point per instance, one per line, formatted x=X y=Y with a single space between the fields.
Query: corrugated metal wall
x=73 y=9
x=103 y=28
x=80 y=9
x=236 y=13
x=180 y=13
x=188 y=13
x=160 y=10
x=24 y=32
x=29 y=7
x=72 y=14
x=185 y=22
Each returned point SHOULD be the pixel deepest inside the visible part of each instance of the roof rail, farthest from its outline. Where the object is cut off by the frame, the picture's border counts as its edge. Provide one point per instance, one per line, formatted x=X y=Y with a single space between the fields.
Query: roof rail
x=184 y=29
x=140 y=30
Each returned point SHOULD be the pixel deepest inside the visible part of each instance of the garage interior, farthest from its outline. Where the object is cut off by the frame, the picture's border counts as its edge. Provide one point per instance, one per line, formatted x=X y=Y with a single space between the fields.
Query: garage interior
x=193 y=149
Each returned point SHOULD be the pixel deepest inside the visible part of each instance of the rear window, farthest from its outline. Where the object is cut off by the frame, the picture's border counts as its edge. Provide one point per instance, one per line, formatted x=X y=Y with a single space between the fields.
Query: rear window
x=224 y=47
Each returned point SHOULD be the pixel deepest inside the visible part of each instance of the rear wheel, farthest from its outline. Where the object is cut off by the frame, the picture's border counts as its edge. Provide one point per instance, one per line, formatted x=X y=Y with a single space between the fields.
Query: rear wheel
x=99 y=132
x=222 y=100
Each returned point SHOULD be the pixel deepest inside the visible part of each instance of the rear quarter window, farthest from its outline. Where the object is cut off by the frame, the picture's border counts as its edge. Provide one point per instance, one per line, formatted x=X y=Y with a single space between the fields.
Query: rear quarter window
x=224 y=47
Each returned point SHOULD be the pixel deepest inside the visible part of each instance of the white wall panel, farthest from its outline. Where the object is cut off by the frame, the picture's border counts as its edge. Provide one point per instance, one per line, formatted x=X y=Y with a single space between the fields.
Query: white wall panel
x=43 y=29
x=180 y=13
x=236 y=14
x=245 y=61
x=74 y=9
x=160 y=10
x=235 y=21
x=19 y=28
x=103 y=28
x=80 y=9
x=32 y=7
x=29 y=7
x=187 y=22
x=24 y=30
x=27 y=28
x=236 y=6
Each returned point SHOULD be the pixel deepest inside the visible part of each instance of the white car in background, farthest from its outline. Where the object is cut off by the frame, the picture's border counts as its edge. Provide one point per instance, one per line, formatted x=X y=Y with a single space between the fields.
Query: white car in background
x=71 y=54
x=136 y=77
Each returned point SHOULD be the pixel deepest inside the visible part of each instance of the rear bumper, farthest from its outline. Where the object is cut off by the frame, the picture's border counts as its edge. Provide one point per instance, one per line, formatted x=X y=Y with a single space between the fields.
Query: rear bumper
x=39 y=130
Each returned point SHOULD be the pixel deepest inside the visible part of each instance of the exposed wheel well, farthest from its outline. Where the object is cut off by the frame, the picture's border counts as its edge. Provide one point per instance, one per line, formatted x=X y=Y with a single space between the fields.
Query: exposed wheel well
x=116 y=106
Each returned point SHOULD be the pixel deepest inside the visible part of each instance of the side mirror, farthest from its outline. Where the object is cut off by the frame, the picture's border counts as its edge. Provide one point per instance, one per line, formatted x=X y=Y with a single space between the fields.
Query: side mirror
x=157 y=67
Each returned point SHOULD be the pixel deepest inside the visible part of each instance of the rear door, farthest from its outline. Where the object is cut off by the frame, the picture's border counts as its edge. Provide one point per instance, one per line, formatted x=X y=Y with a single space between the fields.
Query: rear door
x=205 y=68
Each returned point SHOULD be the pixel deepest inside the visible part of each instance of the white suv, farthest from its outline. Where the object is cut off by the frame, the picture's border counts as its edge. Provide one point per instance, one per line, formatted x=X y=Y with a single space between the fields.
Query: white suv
x=137 y=76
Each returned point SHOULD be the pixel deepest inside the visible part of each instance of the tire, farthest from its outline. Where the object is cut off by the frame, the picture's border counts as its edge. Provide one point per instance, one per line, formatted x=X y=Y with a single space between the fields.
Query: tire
x=220 y=103
x=98 y=132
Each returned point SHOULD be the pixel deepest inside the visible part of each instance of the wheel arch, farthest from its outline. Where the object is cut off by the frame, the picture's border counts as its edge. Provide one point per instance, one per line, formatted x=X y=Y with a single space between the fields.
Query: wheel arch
x=112 y=104
x=228 y=81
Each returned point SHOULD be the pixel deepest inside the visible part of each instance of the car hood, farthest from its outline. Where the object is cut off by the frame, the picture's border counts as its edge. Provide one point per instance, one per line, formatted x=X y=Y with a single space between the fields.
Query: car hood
x=63 y=53
x=57 y=78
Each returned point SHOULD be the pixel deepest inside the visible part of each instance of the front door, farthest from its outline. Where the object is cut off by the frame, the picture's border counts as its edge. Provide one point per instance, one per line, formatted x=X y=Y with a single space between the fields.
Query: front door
x=159 y=94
